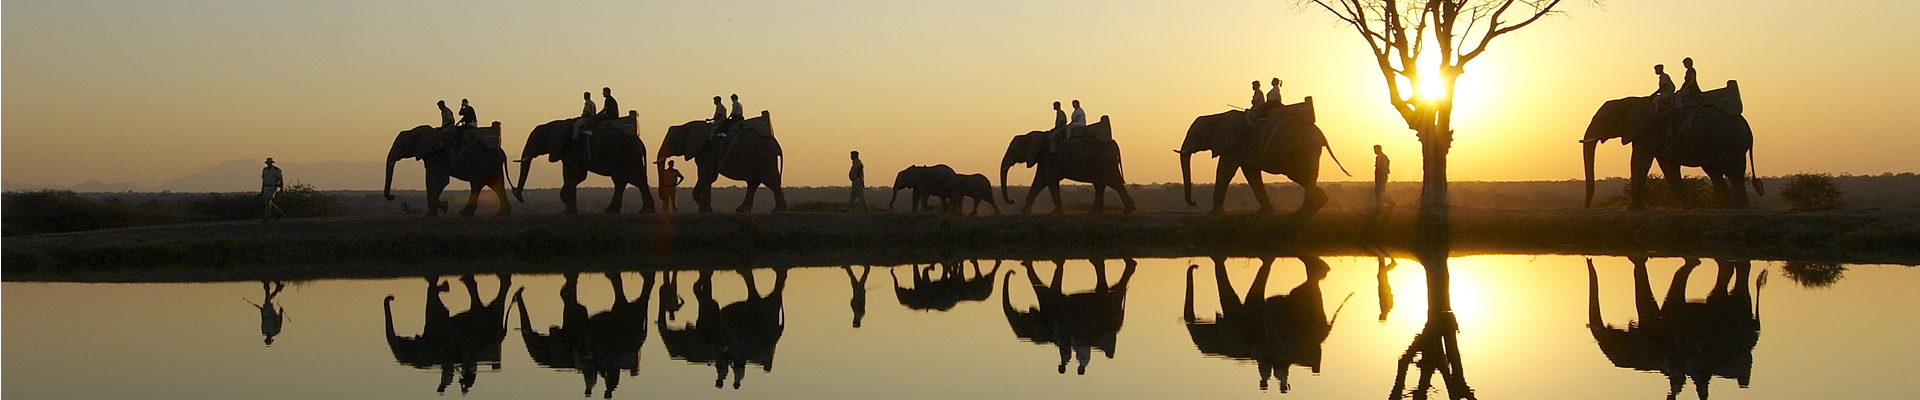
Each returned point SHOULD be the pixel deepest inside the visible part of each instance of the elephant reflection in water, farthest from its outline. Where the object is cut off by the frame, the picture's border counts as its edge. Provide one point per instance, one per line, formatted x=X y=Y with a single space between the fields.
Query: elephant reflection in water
x=733 y=336
x=272 y=317
x=1076 y=323
x=599 y=346
x=947 y=292
x=1684 y=340
x=859 y=300
x=1275 y=332
x=454 y=342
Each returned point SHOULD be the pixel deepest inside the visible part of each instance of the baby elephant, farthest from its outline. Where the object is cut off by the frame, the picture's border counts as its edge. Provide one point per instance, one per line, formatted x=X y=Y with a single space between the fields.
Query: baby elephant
x=960 y=187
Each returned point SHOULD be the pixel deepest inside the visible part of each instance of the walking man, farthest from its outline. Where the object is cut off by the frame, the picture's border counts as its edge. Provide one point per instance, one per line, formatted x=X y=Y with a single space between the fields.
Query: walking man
x=670 y=179
x=1380 y=171
x=270 y=184
x=858 y=174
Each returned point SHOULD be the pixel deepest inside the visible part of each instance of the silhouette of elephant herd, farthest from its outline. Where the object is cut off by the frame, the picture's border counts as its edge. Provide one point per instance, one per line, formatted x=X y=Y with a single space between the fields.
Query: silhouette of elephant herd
x=1681 y=339
x=1283 y=139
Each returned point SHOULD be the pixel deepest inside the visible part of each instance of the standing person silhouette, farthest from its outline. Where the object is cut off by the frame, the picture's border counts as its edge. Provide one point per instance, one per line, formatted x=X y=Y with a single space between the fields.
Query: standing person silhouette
x=270 y=184
x=1381 y=168
x=858 y=175
x=670 y=179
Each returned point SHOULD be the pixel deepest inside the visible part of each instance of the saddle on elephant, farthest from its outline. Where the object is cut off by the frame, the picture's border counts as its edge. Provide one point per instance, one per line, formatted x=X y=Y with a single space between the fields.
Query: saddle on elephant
x=460 y=139
x=1726 y=99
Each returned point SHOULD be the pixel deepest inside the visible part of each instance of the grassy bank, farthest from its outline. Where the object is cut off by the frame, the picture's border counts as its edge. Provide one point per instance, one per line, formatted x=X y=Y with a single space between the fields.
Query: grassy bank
x=410 y=246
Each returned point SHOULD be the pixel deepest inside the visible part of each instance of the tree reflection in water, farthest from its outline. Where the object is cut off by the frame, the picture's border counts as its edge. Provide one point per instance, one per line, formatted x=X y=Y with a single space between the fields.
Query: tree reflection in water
x=597 y=346
x=1680 y=339
x=1075 y=323
x=1435 y=351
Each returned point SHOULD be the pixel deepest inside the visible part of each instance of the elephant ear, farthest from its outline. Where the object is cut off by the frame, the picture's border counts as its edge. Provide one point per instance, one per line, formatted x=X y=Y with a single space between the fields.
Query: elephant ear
x=426 y=140
x=697 y=134
x=1227 y=130
x=1036 y=142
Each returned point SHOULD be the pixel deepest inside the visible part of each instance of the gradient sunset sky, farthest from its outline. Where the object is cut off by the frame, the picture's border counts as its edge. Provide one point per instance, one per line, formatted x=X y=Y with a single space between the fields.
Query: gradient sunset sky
x=146 y=91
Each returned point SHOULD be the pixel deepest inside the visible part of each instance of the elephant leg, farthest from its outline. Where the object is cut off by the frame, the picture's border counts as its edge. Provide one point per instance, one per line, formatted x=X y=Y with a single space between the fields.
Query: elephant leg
x=703 y=193
x=1677 y=290
x=1126 y=200
x=746 y=205
x=1315 y=197
x=1637 y=178
x=1053 y=190
x=1676 y=184
x=569 y=193
x=1737 y=188
x=1099 y=200
x=473 y=198
x=1222 y=178
x=1259 y=186
x=435 y=186
x=779 y=197
x=1720 y=196
x=619 y=195
x=1033 y=191
x=990 y=202
x=499 y=186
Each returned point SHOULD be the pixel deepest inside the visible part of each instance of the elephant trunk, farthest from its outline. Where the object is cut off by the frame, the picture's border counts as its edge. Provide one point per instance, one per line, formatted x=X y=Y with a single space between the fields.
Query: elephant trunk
x=895 y=198
x=1004 y=166
x=1586 y=152
x=1186 y=176
x=525 y=166
x=388 y=306
x=388 y=189
x=1189 y=309
x=1593 y=298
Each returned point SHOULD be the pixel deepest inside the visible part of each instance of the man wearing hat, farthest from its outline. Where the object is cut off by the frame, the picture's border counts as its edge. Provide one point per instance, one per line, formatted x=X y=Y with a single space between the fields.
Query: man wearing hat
x=270 y=183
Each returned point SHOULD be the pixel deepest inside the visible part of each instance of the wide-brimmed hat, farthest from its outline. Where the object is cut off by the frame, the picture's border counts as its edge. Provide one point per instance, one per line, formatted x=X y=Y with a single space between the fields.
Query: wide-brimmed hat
x=269 y=160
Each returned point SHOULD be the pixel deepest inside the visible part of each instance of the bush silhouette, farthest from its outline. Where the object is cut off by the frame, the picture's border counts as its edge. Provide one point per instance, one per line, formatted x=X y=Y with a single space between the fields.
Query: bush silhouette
x=1812 y=192
x=53 y=211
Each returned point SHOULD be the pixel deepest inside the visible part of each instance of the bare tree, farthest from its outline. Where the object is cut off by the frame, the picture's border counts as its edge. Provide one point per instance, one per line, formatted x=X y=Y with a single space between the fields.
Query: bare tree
x=1399 y=34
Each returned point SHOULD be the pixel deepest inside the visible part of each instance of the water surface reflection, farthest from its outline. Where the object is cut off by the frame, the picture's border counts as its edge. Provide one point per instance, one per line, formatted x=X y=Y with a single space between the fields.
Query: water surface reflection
x=1681 y=339
x=1074 y=323
x=454 y=342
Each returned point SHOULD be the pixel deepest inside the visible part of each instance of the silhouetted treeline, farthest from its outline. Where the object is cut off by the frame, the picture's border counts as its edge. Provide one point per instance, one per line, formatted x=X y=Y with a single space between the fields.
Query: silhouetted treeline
x=53 y=211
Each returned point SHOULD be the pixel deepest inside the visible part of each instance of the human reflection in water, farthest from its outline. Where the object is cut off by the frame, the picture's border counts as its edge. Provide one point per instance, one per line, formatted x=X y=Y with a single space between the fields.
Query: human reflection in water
x=1680 y=339
x=1075 y=323
x=1275 y=332
x=272 y=317
x=1387 y=264
x=730 y=337
x=859 y=300
x=454 y=343
x=599 y=346
x=952 y=288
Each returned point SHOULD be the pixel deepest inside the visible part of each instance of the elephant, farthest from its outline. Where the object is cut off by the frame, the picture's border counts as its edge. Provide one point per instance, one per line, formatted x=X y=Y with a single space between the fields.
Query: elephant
x=1288 y=143
x=479 y=161
x=599 y=346
x=1715 y=140
x=961 y=187
x=615 y=152
x=1680 y=339
x=921 y=181
x=1075 y=323
x=454 y=343
x=1092 y=157
x=748 y=152
x=1275 y=332
x=742 y=333
x=952 y=288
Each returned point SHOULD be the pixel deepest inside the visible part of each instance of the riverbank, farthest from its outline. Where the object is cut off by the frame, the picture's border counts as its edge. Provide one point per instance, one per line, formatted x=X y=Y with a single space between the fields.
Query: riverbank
x=390 y=246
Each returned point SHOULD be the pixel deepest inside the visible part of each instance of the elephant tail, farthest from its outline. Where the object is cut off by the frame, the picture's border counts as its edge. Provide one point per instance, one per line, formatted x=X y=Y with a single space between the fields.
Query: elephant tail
x=506 y=173
x=1753 y=171
x=1336 y=159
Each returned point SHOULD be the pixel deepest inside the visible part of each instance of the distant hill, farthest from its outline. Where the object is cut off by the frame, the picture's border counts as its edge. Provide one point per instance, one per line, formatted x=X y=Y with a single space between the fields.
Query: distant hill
x=244 y=176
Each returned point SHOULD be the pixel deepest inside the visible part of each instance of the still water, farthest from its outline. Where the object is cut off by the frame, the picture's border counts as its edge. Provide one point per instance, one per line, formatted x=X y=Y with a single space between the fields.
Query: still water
x=1325 y=328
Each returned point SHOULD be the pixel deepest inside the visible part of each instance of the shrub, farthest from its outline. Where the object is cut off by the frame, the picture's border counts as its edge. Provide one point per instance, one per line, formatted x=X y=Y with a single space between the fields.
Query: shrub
x=1812 y=192
x=52 y=211
x=1813 y=275
x=298 y=201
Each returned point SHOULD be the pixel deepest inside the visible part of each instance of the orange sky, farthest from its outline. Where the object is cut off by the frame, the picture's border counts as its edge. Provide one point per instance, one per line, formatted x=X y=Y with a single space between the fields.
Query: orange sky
x=143 y=92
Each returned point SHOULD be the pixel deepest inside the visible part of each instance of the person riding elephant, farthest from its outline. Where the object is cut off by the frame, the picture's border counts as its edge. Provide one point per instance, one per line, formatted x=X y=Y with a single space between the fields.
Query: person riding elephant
x=1275 y=332
x=949 y=290
x=958 y=188
x=454 y=343
x=921 y=182
x=623 y=157
x=1684 y=340
x=1092 y=157
x=484 y=165
x=598 y=346
x=1074 y=323
x=1718 y=141
x=1288 y=143
x=750 y=153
